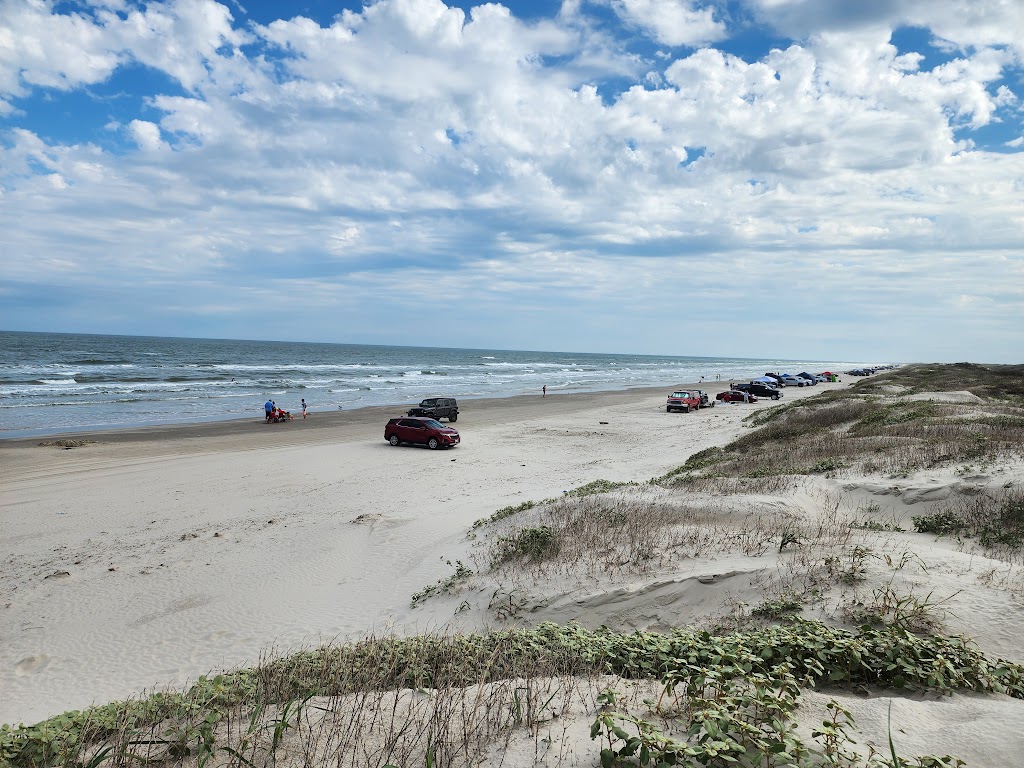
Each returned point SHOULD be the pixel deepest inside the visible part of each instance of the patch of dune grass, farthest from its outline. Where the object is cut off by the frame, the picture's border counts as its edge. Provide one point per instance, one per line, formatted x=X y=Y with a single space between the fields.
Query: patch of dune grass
x=996 y=521
x=393 y=701
x=866 y=429
x=990 y=382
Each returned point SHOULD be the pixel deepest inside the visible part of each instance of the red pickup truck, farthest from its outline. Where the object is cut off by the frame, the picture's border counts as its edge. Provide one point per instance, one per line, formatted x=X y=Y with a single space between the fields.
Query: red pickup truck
x=682 y=400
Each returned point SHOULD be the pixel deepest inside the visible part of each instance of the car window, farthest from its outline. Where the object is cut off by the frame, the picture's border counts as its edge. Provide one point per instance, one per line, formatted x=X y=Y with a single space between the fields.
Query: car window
x=428 y=403
x=433 y=424
x=410 y=423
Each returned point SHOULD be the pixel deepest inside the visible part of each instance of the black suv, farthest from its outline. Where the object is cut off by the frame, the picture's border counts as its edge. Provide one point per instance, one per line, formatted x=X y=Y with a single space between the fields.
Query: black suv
x=437 y=408
x=761 y=390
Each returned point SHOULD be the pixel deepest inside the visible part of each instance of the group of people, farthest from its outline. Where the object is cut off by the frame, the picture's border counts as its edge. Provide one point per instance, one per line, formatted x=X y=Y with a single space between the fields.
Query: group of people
x=275 y=414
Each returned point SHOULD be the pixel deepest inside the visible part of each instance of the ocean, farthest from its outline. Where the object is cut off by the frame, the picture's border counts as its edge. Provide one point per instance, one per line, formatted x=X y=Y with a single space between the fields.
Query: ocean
x=57 y=382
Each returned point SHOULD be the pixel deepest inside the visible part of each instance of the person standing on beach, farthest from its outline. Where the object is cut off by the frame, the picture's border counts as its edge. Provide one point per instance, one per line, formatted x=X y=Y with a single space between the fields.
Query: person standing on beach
x=544 y=391
x=269 y=408
x=303 y=409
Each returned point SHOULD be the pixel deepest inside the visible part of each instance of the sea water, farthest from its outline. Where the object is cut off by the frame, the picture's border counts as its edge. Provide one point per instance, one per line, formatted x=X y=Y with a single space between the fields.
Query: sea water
x=55 y=382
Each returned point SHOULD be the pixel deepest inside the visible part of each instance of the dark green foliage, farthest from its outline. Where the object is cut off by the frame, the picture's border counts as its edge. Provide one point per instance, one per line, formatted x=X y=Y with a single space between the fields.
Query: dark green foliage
x=595 y=487
x=780 y=606
x=941 y=523
x=810 y=653
x=533 y=544
x=505 y=512
x=997 y=522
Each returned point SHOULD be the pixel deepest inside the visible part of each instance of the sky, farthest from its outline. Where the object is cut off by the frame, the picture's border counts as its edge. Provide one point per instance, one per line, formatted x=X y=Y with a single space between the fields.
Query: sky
x=789 y=178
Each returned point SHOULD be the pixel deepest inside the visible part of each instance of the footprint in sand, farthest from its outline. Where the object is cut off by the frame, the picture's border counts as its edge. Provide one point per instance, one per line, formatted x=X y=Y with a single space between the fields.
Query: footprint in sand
x=30 y=665
x=373 y=520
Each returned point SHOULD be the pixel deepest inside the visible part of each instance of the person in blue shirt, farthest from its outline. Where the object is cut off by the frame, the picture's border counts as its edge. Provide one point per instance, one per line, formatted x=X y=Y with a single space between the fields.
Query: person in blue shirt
x=269 y=408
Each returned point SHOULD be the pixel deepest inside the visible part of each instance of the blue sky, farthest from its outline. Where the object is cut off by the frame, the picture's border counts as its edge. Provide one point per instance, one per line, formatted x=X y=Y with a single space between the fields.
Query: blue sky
x=793 y=178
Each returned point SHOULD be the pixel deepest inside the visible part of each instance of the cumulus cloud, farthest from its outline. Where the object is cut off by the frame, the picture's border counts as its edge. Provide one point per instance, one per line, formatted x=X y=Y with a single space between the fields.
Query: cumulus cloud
x=146 y=135
x=672 y=22
x=961 y=24
x=519 y=159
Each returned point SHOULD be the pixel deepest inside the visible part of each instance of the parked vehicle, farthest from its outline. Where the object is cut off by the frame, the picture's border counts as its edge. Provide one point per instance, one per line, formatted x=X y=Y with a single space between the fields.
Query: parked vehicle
x=705 y=401
x=682 y=400
x=736 y=396
x=761 y=390
x=437 y=408
x=810 y=377
x=420 y=430
x=793 y=381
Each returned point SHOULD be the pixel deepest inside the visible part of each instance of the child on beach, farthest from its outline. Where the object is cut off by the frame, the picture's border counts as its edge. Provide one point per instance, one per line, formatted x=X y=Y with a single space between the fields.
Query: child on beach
x=303 y=408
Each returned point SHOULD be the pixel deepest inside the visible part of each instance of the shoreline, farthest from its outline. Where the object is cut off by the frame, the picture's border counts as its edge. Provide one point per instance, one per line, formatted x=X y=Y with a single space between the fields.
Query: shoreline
x=323 y=420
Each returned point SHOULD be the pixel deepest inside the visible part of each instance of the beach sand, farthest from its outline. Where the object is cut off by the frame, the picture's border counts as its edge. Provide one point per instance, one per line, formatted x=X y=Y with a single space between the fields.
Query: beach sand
x=156 y=555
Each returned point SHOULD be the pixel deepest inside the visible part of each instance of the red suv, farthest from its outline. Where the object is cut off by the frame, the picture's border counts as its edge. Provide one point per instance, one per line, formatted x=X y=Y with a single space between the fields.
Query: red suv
x=421 y=430
x=682 y=400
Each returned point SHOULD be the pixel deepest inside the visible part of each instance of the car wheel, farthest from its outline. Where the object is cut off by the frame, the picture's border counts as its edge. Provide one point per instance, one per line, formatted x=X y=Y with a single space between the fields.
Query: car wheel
x=453 y=418
x=686 y=409
x=775 y=397
x=432 y=443
x=394 y=440
x=667 y=409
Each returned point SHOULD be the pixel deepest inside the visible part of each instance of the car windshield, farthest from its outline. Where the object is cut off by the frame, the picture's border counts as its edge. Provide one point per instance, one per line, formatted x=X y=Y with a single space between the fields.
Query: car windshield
x=433 y=424
x=429 y=403
x=679 y=394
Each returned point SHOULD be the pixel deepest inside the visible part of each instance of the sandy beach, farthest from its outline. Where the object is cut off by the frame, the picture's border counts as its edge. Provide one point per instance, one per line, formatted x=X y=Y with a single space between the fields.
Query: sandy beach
x=151 y=556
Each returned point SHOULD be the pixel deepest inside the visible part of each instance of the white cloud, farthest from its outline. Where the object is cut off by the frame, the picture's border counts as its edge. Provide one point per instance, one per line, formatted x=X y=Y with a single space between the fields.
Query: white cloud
x=672 y=22
x=411 y=141
x=40 y=49
x=146 y=135
x=961 y=24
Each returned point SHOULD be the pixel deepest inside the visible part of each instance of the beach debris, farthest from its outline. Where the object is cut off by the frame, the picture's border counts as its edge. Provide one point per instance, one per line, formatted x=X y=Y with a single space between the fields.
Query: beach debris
x=602 y=422
x=67 y=444
x=58 y=575
x=367 y=517
x=187 y=536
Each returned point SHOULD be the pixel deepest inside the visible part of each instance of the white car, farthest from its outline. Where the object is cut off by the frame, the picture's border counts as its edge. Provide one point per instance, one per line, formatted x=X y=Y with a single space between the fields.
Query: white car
x=794 y=381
